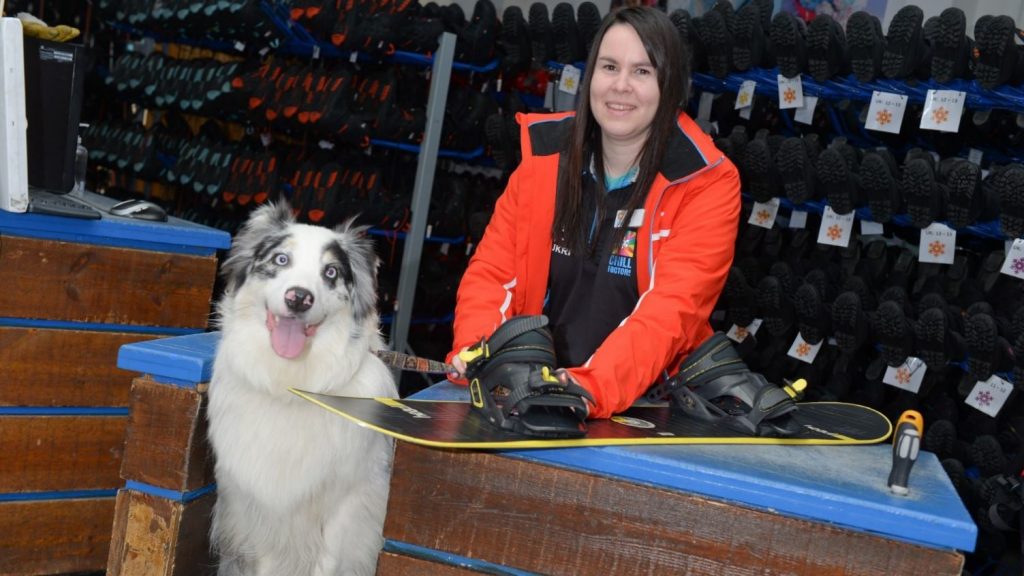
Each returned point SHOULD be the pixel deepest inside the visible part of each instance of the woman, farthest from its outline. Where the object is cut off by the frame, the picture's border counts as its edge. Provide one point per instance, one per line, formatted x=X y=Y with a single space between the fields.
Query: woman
x=627 y=265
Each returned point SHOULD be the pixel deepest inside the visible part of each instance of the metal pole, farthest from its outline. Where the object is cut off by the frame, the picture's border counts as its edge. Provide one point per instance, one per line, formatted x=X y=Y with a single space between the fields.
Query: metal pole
x=440 y=76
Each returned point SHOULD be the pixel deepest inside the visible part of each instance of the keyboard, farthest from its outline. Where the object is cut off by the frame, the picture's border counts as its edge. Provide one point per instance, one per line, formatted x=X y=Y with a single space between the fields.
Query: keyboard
x=44 y=202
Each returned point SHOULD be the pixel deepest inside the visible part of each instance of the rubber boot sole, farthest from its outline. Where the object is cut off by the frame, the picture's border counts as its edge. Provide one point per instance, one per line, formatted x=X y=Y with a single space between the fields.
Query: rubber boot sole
x=918 y=187
x=866 y=45
x=903 y=43
x=880 y=187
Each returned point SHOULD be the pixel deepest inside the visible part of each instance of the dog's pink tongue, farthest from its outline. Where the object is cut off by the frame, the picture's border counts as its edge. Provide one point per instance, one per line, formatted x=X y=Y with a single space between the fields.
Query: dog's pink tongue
x=288 y=337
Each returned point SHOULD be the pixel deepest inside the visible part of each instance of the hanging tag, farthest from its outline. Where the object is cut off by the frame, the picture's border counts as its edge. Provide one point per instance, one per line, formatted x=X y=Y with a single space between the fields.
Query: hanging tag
x=704 y=107
x=326 y=145
x=549 y=96
x=869 y=228
x=469 y=248
x=937 y=245
x=942 y=110
x=989 y=395
x=1014 y=263
x=907 y=376
x=430 y=230
x=745 y=97
x=835 y=228
x=803 y=351
x=798 y=219
x=763 y=213
x=885 y=113
x=444 y=248
x=805 y=113
x=739 y=333
x=240 y=46
x=791 y=92
x=745 y=112
x=974 y=155
x=316 y=51
x=569 y=81
x=266 y=139
x=353 y=57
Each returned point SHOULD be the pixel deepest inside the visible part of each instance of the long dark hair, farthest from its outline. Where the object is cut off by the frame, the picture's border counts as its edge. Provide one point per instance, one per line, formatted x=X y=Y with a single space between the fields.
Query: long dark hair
x=671 y=60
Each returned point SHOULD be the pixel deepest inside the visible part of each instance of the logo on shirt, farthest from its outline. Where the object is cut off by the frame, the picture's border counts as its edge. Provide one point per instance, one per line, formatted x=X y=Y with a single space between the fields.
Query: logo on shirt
x=620 y=263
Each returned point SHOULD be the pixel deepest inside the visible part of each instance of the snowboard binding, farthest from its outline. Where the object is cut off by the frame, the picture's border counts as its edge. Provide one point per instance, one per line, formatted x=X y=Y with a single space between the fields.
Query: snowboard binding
x=512 y=382
x=715 y=385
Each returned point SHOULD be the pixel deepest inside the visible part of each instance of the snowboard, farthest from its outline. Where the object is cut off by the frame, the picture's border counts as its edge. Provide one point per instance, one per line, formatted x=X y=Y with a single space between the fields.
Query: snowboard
x=454 y=424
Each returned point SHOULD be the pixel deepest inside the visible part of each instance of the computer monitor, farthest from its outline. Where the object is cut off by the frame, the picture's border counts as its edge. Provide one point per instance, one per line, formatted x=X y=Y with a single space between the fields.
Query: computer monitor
x=54 y=79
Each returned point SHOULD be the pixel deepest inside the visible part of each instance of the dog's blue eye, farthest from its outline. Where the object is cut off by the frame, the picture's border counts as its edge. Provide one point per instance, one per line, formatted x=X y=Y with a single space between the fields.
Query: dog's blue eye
x=281 y=259
x=331 y=272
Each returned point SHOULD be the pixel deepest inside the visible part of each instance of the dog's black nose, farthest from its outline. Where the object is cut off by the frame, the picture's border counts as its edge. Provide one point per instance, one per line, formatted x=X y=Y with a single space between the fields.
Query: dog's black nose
x=298 y=299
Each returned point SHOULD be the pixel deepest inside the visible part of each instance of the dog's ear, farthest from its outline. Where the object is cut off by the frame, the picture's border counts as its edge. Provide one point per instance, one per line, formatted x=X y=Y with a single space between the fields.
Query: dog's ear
x=363 y=261
x=265 y=222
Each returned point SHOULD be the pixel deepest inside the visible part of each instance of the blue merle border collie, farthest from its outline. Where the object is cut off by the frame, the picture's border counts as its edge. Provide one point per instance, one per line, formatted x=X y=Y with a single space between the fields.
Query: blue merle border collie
x=299 y=490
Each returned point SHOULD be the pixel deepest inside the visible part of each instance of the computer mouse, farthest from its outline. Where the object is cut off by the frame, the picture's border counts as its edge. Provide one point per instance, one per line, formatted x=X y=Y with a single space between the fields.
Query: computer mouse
x=139 y=209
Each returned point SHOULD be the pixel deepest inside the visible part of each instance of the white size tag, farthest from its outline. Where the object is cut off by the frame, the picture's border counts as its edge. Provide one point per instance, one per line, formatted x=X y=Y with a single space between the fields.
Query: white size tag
x=739 y=333
x=266 y=138
x=763 y=213
x=430 y=230
x=802 y=350
x=869 y=228
x=805 y=113
x=942 y=110
x=989 y=395
x=974 y=155
x=885 y=113
x=444 y=248
x=316 y=51
x=745 y=112
x=908 y=376
x=835 y=228
x=798 y=219
x=549 y=96
x=704 y=107
x=937 y=245
x=1014 y=263
x=569 y=81
x=791 y=92
x=353 y=57
x=240 y=46
x=745 y=97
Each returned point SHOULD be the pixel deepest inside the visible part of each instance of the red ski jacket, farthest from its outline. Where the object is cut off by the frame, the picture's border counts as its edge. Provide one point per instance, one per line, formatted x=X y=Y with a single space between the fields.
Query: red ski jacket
x=684 y=251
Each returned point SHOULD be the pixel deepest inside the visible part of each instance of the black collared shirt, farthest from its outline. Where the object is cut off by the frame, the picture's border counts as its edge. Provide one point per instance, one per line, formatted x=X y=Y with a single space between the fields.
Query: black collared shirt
x=590 y=294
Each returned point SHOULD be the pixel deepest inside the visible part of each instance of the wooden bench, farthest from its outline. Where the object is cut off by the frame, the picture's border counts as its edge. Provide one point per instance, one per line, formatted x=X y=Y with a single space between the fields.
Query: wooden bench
x=75 y=291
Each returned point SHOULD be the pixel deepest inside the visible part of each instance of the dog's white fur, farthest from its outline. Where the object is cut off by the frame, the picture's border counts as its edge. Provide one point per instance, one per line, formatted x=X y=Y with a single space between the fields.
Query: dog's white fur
x=300 y=491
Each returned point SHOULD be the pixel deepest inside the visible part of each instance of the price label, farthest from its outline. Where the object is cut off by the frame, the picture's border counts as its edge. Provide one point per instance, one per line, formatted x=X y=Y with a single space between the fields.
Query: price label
x=805 y=113
x=704 y=107
x=869 y=228
x=908 y=376
x=798 y=219
x=974 y=155
x=569 y=81
x=989 y=395
x=740 y=333
x=942 y=110
x=791 y=92
x=745 y=97
x=1014 y=263
x=763 y=213
x=885 y=113
x=803 y=350
x=937 y=245
x=835 y=228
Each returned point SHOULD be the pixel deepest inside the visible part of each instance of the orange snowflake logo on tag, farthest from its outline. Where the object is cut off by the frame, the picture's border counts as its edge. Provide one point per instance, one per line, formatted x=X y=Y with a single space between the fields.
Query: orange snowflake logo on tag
x=835 y=231
x=883 y=117
x=936 y=248
x=763 y=216
x=789 y=95
x=903 y=375
x=744 y=99
x=940 y=115
x=741 y=333
x=803 y=349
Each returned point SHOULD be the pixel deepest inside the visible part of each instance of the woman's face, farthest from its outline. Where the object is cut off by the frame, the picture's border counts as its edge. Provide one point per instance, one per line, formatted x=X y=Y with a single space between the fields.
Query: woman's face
x=624 y=91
